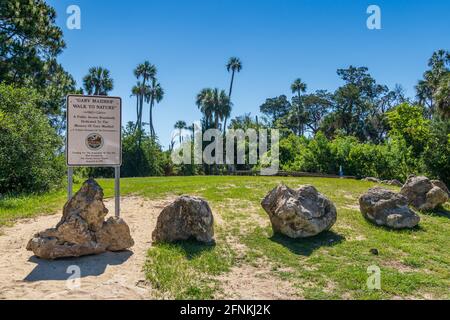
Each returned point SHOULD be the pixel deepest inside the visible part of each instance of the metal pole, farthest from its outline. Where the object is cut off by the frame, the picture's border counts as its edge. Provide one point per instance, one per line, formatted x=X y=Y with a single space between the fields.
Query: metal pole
x=69 y=182
x=117 y=190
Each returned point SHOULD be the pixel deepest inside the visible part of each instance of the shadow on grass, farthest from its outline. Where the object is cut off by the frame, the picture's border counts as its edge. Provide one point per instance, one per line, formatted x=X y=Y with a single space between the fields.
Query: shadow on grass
x=306 y=246
x=438 y=212
x=190 y=248
x=94 y=265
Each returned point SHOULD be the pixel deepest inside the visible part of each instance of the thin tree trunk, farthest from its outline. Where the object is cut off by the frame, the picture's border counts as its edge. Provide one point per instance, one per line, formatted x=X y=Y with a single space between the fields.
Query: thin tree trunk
x=152 y=130
x=229 y=96
x=300 y=127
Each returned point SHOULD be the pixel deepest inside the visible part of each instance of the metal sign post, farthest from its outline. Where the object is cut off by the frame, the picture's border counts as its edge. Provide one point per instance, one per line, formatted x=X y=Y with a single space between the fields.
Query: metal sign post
x=94 y=137
x=117 y=190
x=69 y=182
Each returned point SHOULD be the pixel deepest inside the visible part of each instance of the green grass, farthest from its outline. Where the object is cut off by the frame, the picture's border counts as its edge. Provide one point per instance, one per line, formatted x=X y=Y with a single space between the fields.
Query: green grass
x=414 y=263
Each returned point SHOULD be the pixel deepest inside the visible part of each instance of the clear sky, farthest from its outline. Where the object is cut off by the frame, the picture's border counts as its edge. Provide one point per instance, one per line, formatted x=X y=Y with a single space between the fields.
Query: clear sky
x=190 y=42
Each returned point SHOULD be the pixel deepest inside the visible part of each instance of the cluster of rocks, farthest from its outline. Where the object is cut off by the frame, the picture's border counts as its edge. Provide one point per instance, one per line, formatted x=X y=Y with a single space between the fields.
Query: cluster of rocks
x=296 y=213
x=305 y=212
x=391 y=209
x=83 y=229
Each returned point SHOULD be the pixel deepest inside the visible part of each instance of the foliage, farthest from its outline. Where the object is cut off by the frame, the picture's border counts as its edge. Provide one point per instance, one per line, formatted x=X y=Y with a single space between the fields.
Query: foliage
x=215 y=106
x=30 y=156
x=98 y=81
x=407 y=122
x=29 y=44
x=437 y=151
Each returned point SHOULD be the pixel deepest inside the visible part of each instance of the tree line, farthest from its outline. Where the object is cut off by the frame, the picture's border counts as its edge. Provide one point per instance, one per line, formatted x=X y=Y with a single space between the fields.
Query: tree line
x=363 y=126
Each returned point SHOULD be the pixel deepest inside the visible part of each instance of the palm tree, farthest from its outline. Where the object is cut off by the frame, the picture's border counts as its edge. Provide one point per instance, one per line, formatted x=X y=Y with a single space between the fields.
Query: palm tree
x=180 y=126
x=442 y=97
x=144 y=72
x=204 y=103
x=215 y=105
x=155 y=94
x=234 y=65
x=140 y=90
x=299 y=87
x=98 y=81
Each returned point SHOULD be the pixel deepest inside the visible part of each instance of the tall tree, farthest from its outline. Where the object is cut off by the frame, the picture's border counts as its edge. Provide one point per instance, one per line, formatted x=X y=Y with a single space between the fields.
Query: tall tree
x=144 y=72
x=98 y=82
x=276 y=108
x=180 y=126
x=234 y=65
x=442 y=96
x=30 y=42
x=156 y=94
x=299 y=87
x=427 y=88
x=215 y=105
x=317 y=105
x=140 y=91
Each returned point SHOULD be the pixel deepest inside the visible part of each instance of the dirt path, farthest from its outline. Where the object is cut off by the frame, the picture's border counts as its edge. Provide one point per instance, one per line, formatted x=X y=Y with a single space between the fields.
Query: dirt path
x=105 y=276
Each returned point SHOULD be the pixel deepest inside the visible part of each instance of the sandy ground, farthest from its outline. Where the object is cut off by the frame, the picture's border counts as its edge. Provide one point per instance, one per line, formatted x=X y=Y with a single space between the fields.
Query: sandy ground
x=106 y=276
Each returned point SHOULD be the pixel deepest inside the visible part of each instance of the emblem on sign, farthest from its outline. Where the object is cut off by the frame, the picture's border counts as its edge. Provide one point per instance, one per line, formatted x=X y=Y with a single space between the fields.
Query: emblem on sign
x=94 y=141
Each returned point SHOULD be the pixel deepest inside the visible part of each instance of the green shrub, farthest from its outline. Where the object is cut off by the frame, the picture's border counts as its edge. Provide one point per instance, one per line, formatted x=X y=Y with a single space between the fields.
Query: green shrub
x=30 y=150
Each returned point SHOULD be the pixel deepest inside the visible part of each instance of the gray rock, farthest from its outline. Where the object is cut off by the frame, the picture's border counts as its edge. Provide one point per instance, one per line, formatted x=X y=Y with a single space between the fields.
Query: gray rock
x=387 y=208
x=299 y=213
x=424 y=194
x=82 y=229
x=440 y=184
x=187 y=217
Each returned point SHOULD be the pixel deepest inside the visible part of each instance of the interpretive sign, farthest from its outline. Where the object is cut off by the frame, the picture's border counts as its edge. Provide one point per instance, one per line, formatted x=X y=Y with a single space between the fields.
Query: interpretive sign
x=94 y=131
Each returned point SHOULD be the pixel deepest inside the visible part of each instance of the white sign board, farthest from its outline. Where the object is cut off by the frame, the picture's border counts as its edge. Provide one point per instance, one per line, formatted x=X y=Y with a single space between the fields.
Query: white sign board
x=94 y=137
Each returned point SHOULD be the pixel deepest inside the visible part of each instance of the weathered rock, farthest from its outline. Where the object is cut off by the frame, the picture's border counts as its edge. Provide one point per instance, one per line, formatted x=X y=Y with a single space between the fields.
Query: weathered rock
x=187 y=217
x=299 y=213
x=387 y=208
x=115 y=233
x=82 y=229
x=440 y=184
x=393 y=182
x=424 y=194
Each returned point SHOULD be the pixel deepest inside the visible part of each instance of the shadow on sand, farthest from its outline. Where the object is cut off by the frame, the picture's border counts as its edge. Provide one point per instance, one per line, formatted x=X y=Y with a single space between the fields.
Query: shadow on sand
x=306 y=246
x=89 y=266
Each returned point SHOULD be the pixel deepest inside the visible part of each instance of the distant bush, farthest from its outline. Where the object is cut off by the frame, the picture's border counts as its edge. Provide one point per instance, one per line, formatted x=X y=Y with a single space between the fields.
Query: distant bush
x=30 y=150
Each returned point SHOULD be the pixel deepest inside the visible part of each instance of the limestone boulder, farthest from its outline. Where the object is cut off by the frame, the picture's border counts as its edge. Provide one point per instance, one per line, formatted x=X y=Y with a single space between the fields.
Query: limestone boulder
x=425 y=194
x=82 y=229
x=299 y=213
x=187 y=217
x=387 y=208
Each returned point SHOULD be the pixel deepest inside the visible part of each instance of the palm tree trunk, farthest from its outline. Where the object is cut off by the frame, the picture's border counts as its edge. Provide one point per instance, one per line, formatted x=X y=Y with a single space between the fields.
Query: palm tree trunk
x=229 y=96
x=152 y=130
x=300 y=127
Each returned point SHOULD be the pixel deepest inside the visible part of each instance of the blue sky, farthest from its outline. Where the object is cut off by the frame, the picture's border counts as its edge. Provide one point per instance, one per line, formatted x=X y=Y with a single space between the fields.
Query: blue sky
x=277 y=41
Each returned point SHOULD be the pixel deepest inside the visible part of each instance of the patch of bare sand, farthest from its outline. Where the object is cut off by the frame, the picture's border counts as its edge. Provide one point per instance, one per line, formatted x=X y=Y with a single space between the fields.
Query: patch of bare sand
x=112 y=275
x=254 y=283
